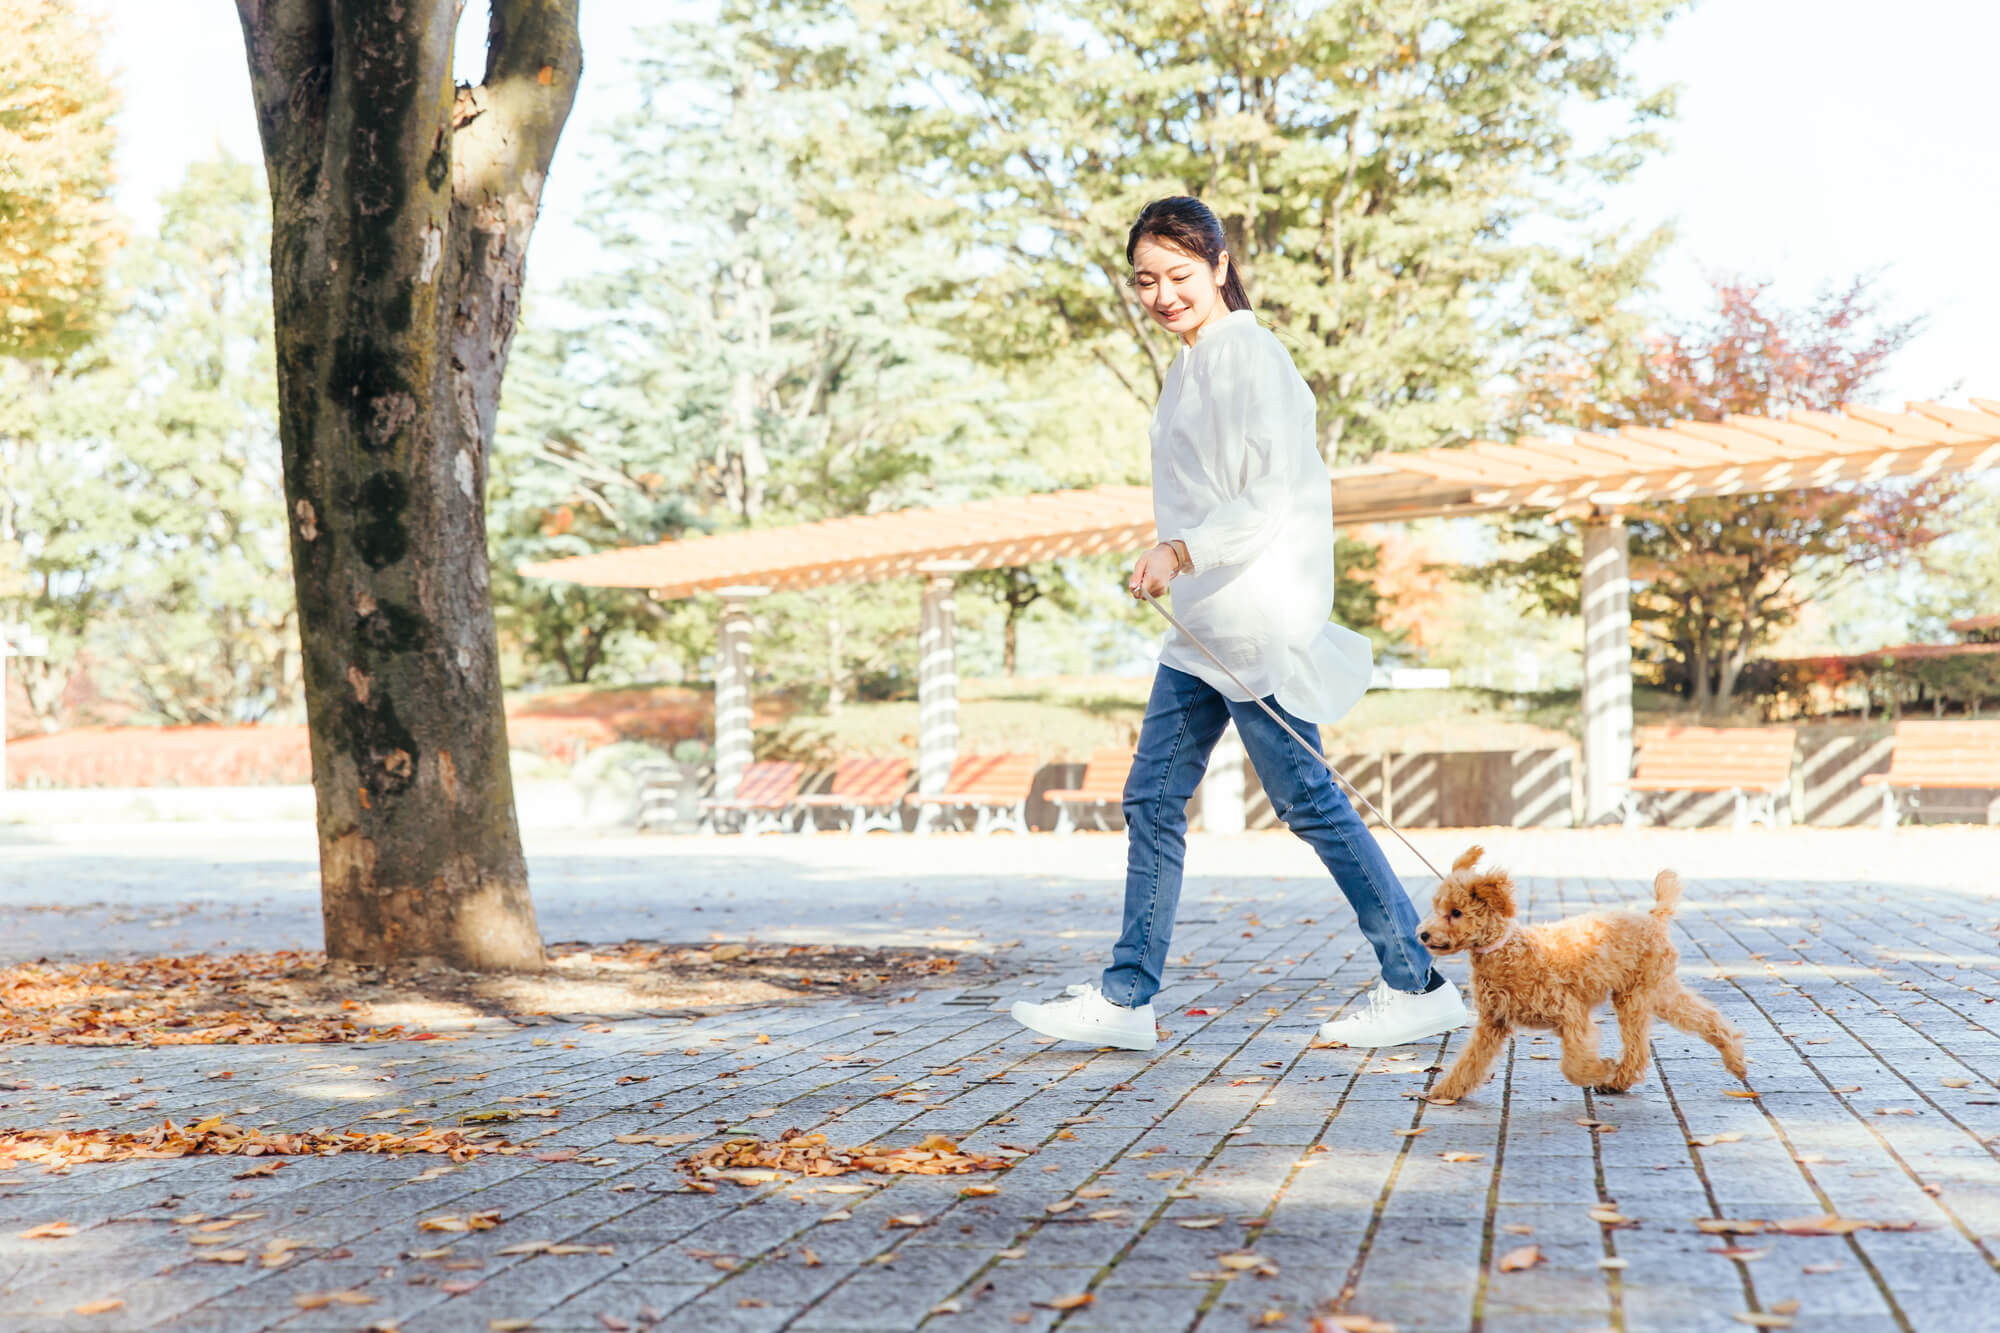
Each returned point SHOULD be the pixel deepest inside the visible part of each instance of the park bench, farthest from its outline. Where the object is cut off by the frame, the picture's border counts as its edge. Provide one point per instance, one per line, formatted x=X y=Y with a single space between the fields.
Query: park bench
x=870 y=790
x=764 y=796
x=1937 y=756
x=1103 y=788
x=996 y=786
x=1755 y=763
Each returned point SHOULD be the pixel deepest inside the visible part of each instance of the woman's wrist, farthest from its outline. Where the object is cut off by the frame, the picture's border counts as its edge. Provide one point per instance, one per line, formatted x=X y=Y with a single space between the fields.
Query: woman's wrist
x=1183 y=562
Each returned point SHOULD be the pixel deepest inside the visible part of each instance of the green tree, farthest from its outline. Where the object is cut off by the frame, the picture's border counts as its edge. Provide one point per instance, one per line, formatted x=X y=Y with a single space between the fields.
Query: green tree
x=65 y=529
x=57 y=228
x=1373 y=164
x=206 y=630
x=143 y=508
x=766 y=344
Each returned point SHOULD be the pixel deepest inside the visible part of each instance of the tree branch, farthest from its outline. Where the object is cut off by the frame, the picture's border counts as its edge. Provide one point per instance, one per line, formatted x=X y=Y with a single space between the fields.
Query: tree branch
x=534 y=61
x=289 y=44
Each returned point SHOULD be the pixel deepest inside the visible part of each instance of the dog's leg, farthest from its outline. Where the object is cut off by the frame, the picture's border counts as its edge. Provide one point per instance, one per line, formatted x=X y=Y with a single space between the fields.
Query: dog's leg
x=1690 y=1013
x=1635 y=1022
x=1581 y=1064
x=1468 y=1071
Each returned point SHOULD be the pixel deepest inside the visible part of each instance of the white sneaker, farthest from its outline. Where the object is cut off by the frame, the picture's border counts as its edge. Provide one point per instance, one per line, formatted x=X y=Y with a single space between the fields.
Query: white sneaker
x=1396 y=1018
x=1085 y=1015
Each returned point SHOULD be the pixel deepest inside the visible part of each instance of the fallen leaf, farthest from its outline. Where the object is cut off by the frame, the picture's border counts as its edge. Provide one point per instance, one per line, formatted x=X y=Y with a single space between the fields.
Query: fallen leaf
x=1076 y=1302
x=1726 y=1226
x=1833 y=1267
x=612 y=1323
x=1410 y=1133
x=105 y=1306
x=1460 y=1156
x=810 y=1258
x=1515 y=1260
x=978 y=1191
x=1742 y=1253
x=1352 y=1323
x=1738 y=1092
x=946 y=1307
x=1517 y=1228
x=319 y=1300
x=1198 y=1223
x=484 y=1221
x=224 y=1257
x=908 y=1220
x=1060 y=1206
x=1785 y=1307
x=1710 y=1140
x=1609 y=1217
x=1823 y=1224
x=1955 y=1083
x=48 y=1231
x=508 y=1325
x=1763 y=1320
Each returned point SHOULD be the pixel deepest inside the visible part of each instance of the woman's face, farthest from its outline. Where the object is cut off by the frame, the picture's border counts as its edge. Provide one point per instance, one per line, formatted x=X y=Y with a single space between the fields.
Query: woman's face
x=1182 y=293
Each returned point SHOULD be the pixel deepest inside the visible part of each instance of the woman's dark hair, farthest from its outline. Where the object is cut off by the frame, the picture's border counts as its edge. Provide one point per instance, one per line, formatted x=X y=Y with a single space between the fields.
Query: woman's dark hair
x=1191 y=227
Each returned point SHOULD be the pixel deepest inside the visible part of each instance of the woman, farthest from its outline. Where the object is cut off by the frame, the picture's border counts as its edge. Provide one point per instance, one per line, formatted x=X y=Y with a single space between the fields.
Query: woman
x=1242 y=500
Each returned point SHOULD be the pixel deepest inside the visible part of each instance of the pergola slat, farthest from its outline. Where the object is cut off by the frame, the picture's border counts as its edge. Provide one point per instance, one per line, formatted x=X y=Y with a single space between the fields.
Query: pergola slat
x=1739 y=455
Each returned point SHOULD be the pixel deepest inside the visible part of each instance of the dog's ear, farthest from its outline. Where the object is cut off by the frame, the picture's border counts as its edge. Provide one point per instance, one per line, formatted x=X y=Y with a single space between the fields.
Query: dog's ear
x=1469 y=858
x=1494 y=889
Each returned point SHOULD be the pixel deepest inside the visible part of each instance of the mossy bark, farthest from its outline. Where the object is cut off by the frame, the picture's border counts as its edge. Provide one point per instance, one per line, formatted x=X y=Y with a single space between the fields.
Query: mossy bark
x=402 y=208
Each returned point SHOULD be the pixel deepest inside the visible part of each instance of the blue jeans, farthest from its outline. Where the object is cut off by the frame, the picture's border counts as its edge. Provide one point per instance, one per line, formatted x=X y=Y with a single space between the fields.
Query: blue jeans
x=1184 y=719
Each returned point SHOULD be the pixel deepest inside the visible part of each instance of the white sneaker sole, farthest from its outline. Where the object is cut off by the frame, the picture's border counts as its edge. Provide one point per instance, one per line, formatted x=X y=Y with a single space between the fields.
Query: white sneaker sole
x=1090 y=1034
x=1437 y=1029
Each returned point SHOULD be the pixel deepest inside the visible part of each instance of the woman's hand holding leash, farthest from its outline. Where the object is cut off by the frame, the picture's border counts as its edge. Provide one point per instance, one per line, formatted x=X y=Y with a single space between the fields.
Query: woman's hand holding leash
x=1156 y=569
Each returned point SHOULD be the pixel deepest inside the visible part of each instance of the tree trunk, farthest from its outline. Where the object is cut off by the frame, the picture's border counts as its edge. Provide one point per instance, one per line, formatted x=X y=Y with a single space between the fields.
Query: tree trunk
x=1009 y=640
x=401 y=214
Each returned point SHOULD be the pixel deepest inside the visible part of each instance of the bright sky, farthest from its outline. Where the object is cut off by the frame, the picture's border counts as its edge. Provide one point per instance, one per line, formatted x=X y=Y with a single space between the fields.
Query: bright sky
x=1807 y=151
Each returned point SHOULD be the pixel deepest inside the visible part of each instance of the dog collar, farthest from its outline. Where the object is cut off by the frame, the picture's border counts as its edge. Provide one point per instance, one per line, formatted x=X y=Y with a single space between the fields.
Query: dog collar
x=1505 y=936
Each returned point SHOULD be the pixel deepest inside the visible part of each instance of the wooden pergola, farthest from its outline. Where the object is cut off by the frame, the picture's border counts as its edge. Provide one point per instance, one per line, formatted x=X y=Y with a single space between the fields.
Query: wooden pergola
x=1589 y=477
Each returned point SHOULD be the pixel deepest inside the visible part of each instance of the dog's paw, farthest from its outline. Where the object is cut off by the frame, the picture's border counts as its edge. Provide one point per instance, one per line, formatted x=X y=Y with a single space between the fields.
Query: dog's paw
x=1611 y=1089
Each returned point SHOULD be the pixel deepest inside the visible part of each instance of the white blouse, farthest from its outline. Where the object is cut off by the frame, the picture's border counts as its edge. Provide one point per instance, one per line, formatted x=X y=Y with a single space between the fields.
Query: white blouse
x=1237 y=476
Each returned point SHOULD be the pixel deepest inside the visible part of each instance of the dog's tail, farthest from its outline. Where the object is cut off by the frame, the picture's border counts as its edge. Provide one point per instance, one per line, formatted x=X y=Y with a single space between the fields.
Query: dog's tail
x=1666 y=894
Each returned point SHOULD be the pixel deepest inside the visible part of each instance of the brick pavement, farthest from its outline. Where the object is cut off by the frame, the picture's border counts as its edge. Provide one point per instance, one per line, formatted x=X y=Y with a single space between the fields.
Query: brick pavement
x=1862 y=965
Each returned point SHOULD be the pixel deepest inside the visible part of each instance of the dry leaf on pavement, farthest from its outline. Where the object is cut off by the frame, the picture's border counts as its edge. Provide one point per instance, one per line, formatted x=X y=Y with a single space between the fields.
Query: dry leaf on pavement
x=1076 y=1302
x=48 y=1231
x=1525 y=1257
x=812 y=1155
x=105 y=1306
x=70 y=1147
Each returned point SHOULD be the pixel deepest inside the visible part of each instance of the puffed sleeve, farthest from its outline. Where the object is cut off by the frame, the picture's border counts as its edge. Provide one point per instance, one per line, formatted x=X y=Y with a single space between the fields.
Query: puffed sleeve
x=1254 y=400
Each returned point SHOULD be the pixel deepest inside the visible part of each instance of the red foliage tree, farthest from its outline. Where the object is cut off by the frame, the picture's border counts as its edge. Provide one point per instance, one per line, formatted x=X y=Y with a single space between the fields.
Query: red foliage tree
x=1719 y=577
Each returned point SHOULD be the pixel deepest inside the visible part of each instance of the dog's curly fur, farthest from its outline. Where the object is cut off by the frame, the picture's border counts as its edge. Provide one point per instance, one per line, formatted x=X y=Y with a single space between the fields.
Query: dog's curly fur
x=1553 y=976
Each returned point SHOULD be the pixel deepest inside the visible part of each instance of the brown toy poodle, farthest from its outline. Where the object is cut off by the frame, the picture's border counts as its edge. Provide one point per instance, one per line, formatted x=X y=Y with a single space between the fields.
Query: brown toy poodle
x=1552 y=976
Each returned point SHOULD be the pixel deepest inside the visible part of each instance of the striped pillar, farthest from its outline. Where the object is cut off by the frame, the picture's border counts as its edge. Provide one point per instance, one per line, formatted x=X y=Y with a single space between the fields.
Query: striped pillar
x=1607 y=666
x=732 y=690
x=937 y=677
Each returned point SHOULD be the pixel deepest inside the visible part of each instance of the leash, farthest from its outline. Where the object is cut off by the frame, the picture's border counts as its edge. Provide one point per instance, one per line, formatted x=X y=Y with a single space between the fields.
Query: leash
x=1310 y=748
